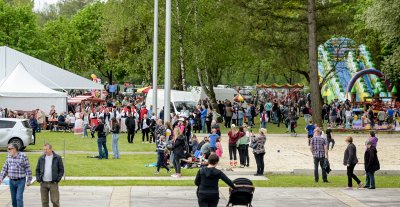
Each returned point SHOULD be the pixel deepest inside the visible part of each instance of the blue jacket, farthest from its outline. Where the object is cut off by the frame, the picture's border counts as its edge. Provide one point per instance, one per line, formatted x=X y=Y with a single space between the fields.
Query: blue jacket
x=203 y=114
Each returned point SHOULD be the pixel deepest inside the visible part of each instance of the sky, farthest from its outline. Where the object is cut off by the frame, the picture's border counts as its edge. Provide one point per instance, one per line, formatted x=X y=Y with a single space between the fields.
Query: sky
x=40 y=4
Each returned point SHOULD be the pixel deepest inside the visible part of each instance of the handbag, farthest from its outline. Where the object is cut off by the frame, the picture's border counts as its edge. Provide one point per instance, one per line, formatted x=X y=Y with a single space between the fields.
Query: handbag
x=253 y=145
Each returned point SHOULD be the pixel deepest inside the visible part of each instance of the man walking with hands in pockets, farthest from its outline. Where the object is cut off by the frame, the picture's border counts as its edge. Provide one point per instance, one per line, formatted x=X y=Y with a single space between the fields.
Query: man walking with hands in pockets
x=17 y=168
x=49 y=171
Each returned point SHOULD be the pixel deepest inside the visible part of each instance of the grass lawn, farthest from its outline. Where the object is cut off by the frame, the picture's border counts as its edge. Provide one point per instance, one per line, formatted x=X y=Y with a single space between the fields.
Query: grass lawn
x=274 y=181
x=77 y=143
x=128 y=165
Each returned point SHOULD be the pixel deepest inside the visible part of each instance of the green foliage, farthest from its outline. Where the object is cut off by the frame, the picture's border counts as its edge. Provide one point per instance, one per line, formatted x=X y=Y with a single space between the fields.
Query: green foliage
x=18 y=28
x=382 y=17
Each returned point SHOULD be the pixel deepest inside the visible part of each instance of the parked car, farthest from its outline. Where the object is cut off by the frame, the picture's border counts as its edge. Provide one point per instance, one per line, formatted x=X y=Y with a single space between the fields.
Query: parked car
x=16 y=131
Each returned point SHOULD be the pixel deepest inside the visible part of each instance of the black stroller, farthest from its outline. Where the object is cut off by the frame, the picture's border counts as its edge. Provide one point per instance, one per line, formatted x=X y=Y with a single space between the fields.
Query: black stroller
x=242 y=194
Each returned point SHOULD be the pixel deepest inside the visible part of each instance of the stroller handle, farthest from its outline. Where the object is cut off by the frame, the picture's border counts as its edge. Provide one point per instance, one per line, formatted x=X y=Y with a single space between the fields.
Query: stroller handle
x=245 y=186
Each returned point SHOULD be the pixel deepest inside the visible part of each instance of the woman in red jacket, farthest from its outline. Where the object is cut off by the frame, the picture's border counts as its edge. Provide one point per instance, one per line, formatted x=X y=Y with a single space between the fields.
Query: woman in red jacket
x=233 y=135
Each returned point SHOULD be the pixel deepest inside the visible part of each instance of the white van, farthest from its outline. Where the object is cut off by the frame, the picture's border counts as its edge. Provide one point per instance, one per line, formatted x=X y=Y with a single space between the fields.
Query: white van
x=182 y=102
x=221 y=94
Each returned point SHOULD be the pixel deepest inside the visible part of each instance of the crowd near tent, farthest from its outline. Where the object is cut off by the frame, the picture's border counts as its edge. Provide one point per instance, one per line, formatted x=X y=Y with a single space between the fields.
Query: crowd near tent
x=21 y=91
x=49 y=75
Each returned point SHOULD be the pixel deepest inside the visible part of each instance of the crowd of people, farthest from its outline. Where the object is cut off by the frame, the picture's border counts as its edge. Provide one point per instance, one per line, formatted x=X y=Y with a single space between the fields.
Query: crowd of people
x=178 y=146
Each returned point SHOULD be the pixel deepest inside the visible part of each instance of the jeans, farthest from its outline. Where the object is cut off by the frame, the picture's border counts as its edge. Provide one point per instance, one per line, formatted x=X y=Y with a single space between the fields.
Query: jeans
x=39 y=128
x=52 y=188
x=269 y=116
x=17 y=188
x=242 y=154
x=240 y=122
x=102 y=143
x=203 y=125
x=260 y=162
x=351 y=176
x=232 y=151
x=264 y=124
x=177 y=165
x=316 y=175
x=249 y=121
x=84 y=127
x=370 y=179
x=115 y=148
x=160 y=161
x=307 y=118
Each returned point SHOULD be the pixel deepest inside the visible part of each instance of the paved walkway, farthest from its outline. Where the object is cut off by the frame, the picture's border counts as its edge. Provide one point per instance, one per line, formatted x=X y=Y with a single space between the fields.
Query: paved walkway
x=186 y=197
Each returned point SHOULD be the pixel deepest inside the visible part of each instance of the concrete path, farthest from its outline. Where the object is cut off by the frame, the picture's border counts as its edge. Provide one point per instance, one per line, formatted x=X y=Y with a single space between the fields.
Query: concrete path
x=137 y=196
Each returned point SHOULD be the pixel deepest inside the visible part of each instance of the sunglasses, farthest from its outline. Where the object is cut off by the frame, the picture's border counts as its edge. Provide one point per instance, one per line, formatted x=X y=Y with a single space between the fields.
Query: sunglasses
x=10 y=148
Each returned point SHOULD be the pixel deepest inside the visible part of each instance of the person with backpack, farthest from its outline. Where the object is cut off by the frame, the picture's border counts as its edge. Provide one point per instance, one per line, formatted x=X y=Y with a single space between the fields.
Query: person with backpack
x=101 y=130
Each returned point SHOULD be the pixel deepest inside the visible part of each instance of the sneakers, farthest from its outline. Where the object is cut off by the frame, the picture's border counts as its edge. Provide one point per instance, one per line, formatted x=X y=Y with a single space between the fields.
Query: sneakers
x=176 y=175
x=156 y=172
x=348 y=188
x=360 y=185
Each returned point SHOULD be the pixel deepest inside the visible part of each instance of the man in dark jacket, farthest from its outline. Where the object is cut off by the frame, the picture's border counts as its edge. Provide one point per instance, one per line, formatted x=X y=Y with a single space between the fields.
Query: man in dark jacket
x=130 y=125
x=101 y=139
x=34 y=125
x=49 y=171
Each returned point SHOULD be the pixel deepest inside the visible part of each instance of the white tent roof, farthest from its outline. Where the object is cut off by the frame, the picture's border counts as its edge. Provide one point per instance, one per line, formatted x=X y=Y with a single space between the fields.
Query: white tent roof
x=21 y=84
x=49 y=75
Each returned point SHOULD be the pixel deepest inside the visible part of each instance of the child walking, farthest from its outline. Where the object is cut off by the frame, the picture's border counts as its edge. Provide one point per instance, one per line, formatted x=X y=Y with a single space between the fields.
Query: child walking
x=161 y=145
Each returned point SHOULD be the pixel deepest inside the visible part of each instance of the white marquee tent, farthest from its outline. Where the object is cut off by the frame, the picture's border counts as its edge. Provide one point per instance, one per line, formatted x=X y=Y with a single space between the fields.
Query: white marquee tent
x=21 y=91
x=49 y=75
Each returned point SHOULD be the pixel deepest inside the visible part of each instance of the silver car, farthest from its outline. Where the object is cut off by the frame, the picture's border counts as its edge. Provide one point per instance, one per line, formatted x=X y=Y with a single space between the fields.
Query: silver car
x=16 y=131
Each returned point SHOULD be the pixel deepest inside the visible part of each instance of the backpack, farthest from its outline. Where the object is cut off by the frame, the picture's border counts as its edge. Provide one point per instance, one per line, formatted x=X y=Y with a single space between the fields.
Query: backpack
x=106 y=130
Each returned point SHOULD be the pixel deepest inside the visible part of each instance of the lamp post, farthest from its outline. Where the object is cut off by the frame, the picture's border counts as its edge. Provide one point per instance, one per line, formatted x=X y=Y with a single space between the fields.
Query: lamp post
x=155 y=50
x=167 y=81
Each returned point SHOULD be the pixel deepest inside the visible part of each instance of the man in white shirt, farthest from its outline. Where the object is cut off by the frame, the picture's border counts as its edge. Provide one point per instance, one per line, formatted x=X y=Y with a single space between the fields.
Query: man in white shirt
x=49 y=171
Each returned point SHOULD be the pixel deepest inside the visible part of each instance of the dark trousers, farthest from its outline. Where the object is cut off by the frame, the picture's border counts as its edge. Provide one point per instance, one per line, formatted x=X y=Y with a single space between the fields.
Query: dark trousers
x=292 y=129
x=228 y=122
x=242 y=154
x=177 y=164
x=102 y=145
x=51 y=188
x=208 y=123
x=232 y=151
x=131 y=135
x=160 y=161
x=351 y=176
x=316 y=175
x=269 y=116
x=260 y=163
x=246 y=152
x=145 y=132
x=34 y=136
x=208 y=199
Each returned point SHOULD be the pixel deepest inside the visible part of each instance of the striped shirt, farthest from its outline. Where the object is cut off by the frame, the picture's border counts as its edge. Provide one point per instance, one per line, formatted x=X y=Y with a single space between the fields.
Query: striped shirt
x=317 y=145
x=17 y=167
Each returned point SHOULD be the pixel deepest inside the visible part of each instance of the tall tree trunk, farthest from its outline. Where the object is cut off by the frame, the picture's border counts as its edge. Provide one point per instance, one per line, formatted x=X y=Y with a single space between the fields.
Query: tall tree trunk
x=207 y=85
x=182 y=75
x=316 y=103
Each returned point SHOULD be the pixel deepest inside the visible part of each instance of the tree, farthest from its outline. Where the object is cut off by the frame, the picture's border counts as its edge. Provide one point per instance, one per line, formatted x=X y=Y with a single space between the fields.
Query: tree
x=382 y=17
x=316 y=103
x=18 y=29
